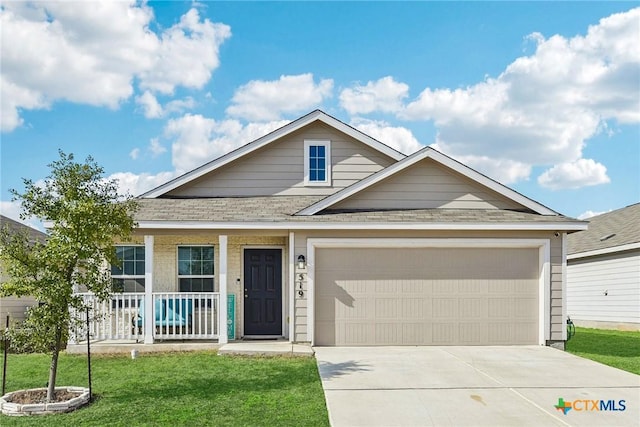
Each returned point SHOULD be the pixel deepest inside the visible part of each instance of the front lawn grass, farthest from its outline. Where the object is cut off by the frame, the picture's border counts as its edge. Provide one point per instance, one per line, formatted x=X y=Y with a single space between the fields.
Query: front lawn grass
x=179 y=389
x=620 y=349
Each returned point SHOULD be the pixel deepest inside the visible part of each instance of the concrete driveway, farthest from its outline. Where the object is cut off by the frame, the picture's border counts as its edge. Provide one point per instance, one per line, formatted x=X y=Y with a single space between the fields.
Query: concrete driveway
x=473 y=386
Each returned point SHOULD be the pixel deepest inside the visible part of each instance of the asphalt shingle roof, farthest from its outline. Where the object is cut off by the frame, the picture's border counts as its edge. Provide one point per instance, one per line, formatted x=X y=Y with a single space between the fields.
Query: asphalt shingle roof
x=282 y=208
x=16 y=227
x=623 y=224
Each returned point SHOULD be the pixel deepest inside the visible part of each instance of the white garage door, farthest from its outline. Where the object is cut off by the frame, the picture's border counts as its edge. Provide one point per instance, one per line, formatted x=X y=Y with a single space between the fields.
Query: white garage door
x=426 y=296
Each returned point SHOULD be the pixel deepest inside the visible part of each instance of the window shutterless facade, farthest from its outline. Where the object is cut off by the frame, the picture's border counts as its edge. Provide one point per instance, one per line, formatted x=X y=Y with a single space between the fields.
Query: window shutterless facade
x=317 y=163
x=195 y=269
x=128 y=275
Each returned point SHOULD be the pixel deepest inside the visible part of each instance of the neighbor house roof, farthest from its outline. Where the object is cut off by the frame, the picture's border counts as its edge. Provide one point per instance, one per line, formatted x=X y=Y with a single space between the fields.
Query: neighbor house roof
x=614 y=231
x=316 y=115
x=278 y=212
x=426 y=153
x=16 y=227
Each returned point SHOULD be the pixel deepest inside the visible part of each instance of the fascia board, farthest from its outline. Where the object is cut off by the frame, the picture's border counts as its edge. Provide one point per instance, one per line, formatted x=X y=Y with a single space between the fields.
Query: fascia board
x=289 y=225
x=490 y=183
x=604 y=251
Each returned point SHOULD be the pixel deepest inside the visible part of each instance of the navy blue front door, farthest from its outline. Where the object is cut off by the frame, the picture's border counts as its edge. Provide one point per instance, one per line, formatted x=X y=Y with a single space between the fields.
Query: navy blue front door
x=263 y=292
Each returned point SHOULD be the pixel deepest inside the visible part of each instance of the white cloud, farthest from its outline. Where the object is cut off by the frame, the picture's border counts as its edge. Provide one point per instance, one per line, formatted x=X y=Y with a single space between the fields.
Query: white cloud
x=150 y=106
x=156 y=148
x=543 y=108
x=187 y=55
x=135 y=153
x=396 y=137
x=179 y=105
x=589 y=214
x=152 y=109
x=198 y=139
x=91 y=53
x=384 y=94
x=581 y=173
x=132 y=184
x=261 y=100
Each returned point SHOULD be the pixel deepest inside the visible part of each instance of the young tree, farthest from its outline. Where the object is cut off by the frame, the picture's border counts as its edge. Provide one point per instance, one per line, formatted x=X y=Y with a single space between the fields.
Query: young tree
x=83 y=213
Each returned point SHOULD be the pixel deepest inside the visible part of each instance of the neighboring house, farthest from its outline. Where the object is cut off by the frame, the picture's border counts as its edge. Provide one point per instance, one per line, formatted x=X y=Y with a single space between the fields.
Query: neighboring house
x=603 y=271
x=325 y=235
x=13 y=306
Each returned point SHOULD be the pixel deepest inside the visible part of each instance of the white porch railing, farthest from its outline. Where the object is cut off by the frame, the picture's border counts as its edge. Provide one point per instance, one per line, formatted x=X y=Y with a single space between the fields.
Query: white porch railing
x=177 y=315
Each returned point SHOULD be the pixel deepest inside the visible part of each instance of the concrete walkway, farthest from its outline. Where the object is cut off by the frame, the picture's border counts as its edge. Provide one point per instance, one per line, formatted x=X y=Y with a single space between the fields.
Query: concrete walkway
x=249 y=347
x=473 y=386
x=266 y=348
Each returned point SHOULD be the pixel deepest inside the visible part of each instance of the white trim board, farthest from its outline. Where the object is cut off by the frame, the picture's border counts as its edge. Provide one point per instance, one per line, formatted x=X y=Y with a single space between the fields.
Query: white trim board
x=316 y=115
x=544 y=259
x=604 y=251
x=295 y=225
x=427 y=153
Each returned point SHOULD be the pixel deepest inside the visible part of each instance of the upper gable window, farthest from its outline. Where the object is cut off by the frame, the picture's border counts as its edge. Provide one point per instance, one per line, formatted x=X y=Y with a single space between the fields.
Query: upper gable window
x=317 y=163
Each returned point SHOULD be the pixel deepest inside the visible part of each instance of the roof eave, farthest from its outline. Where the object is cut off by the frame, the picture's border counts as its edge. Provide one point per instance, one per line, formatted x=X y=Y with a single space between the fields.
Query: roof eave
x=296 y=225
x=605 y=251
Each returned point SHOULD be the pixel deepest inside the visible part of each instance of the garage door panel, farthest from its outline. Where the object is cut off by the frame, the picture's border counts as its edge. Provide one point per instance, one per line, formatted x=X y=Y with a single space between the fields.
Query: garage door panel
x=444 y=333
x=387 y=308
x=472 y=333
x=473 y=308
x=423 y=296
x=415 y=309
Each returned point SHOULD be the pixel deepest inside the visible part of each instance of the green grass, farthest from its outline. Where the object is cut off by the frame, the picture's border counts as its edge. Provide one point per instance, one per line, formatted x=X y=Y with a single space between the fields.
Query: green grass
x=620 y=349
x=180 y=389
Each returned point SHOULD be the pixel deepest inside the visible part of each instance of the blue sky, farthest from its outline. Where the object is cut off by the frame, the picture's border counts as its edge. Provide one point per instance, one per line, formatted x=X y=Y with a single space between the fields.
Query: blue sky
x=542 y=96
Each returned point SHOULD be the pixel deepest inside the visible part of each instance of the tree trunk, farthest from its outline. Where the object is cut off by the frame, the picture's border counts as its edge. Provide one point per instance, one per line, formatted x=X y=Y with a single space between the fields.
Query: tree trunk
x=53 y=369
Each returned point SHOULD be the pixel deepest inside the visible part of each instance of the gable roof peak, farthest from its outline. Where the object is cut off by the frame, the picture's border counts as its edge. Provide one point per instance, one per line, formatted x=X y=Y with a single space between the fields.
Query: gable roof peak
x=315 y=115
x=440 y=158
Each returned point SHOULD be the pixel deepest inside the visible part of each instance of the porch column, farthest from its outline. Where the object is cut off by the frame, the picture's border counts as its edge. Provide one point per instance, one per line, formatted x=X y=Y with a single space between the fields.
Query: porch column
x=222 y=322
x=148 y=290
x=292 y=287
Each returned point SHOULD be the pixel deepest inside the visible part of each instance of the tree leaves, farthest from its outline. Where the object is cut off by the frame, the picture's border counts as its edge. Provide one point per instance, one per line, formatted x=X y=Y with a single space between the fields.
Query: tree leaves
x=84 y=214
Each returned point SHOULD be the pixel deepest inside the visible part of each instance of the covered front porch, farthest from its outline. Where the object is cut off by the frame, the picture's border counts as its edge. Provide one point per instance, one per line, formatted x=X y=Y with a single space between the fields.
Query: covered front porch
x=206 y=297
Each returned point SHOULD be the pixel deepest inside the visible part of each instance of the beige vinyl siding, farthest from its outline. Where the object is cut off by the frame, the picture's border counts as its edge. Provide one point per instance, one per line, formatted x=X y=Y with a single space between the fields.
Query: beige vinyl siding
x=14 y=307
x=616 y=274
x=427 y=185
x=554 y=321
x=278 y=168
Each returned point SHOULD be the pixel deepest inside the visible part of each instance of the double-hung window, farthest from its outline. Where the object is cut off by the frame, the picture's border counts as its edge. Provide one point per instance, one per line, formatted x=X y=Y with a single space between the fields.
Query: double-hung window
x=317 y=163
x=195 y=268
x=128 y=274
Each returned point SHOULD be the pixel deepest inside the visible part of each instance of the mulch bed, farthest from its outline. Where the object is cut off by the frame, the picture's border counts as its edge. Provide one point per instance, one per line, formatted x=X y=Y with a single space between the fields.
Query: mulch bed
x=40 y=396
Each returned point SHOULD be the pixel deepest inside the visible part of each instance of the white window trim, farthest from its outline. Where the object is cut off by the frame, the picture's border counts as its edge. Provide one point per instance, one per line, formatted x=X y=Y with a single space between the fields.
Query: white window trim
x=327 y=145
x=195 y=276
x=131 y=276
